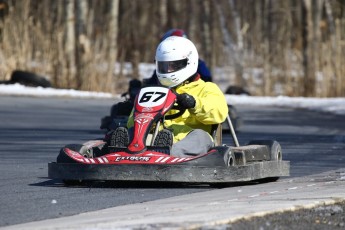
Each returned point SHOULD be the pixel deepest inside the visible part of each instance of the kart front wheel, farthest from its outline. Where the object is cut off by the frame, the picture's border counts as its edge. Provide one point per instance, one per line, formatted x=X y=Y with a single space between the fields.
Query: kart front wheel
x=64 y=158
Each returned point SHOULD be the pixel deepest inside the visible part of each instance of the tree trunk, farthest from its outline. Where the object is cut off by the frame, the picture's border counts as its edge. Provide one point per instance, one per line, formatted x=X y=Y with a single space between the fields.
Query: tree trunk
x=308 y=50
x=70 y=44
x=230 y=47
x=135 y=40
x=58 y=61
x=112 y=48
x=83 y=47
x=192 y=23
x=287 y=51
x=163 y=15
x=239 y=45
x=206 y=35
x=335 y=55
x=267 y=76
x=340 y=58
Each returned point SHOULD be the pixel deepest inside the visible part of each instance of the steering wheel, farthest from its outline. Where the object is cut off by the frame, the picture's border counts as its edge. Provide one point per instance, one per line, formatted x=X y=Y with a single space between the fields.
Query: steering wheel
x=175 y=115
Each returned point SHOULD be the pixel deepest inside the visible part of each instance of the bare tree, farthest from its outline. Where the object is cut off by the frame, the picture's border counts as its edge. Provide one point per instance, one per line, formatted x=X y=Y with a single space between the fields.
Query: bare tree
x=58 y=63
x=231 y=47
x=136 y=39
x=163 y=14
x=206 y=30
x=340 y=36
x=298 y=45
x=70 y=44
x=336 y=82
x=83 y=49
x=112 y=49
x=267 y=48
x=308 y=50
x=193 y=20
x=239 y=44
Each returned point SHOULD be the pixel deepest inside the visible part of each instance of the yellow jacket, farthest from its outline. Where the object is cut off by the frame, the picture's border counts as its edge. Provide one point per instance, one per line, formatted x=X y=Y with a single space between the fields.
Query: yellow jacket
x=210 y=108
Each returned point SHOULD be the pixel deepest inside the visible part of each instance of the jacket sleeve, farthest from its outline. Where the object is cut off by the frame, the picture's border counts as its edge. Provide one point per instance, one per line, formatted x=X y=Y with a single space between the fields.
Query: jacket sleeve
x=210 y=105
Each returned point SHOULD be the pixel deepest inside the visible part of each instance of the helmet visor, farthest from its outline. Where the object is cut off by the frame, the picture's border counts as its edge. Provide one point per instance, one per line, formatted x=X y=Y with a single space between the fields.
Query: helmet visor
x=171 y=66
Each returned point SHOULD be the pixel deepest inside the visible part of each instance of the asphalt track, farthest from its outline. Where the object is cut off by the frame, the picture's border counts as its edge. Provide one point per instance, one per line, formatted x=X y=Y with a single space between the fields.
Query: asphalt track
x=32 y=130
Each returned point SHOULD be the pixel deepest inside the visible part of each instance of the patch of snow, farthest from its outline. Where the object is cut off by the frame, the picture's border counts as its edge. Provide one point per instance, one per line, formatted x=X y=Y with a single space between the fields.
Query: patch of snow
x=331 y=105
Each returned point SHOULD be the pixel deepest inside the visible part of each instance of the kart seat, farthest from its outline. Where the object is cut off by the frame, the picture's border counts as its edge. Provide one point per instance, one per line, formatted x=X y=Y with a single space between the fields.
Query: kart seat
x=216 y=133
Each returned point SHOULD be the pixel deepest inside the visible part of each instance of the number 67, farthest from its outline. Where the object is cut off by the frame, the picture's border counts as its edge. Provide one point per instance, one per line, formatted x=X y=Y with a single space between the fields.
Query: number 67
x=154 y=95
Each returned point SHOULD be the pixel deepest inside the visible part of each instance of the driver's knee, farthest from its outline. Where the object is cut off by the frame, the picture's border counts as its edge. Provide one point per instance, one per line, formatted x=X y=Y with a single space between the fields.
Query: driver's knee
x=195 y=143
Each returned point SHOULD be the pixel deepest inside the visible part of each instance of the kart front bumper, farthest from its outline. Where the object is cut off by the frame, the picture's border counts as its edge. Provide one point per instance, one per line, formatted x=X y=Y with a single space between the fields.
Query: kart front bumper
x=169 y=173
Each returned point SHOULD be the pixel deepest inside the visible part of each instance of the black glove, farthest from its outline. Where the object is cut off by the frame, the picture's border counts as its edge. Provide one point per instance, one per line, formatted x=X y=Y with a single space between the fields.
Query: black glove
x=185 y=101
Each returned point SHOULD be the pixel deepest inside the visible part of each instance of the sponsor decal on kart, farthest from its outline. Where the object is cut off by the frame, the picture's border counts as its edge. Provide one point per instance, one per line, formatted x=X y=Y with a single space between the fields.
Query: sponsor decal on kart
x=133 y=158
x=147 y=109
x=144 y=117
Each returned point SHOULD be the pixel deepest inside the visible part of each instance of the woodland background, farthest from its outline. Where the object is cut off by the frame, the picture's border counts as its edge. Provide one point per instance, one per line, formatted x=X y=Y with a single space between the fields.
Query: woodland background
x=269 y=47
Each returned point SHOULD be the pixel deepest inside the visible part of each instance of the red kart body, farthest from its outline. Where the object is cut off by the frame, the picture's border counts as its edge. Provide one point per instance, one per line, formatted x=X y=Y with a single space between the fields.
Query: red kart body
x=122 y=157
x=150 y=106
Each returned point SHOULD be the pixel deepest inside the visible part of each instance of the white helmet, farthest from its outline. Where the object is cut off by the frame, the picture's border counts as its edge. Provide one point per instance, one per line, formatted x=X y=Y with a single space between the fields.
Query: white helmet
x=176 y=61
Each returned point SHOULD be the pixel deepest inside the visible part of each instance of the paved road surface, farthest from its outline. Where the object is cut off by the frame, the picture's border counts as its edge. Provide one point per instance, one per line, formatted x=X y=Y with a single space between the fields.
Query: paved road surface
x=32 y=130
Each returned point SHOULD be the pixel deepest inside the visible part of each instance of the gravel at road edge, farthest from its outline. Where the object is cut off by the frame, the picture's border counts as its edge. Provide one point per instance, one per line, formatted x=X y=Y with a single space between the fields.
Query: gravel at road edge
x=324 y=216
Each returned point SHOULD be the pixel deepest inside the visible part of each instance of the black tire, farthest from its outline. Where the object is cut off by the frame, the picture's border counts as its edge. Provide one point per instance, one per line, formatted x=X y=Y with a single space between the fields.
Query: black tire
x=230 y=159
x=63 y=158
x=273 y=146
x=119 y=137
x=29 y=79
x=276 y=151
x=236 y=90
x=275 y=155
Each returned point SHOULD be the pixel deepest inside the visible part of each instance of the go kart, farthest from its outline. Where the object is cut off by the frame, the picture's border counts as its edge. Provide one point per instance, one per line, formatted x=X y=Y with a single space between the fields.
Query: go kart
x=100 y=160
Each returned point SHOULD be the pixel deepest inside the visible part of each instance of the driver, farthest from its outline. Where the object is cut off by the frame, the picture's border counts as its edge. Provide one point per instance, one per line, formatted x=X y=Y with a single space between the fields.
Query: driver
x=205 y=104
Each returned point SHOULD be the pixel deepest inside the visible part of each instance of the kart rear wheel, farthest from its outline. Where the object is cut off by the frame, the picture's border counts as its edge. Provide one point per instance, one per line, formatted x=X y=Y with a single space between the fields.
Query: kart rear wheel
x=276 y=154
x=273 y=146
x=230 y=159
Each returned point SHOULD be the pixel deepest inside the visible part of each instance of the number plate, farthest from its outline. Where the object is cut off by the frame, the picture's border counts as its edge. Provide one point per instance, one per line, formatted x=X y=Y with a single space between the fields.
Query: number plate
x=152 y=96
